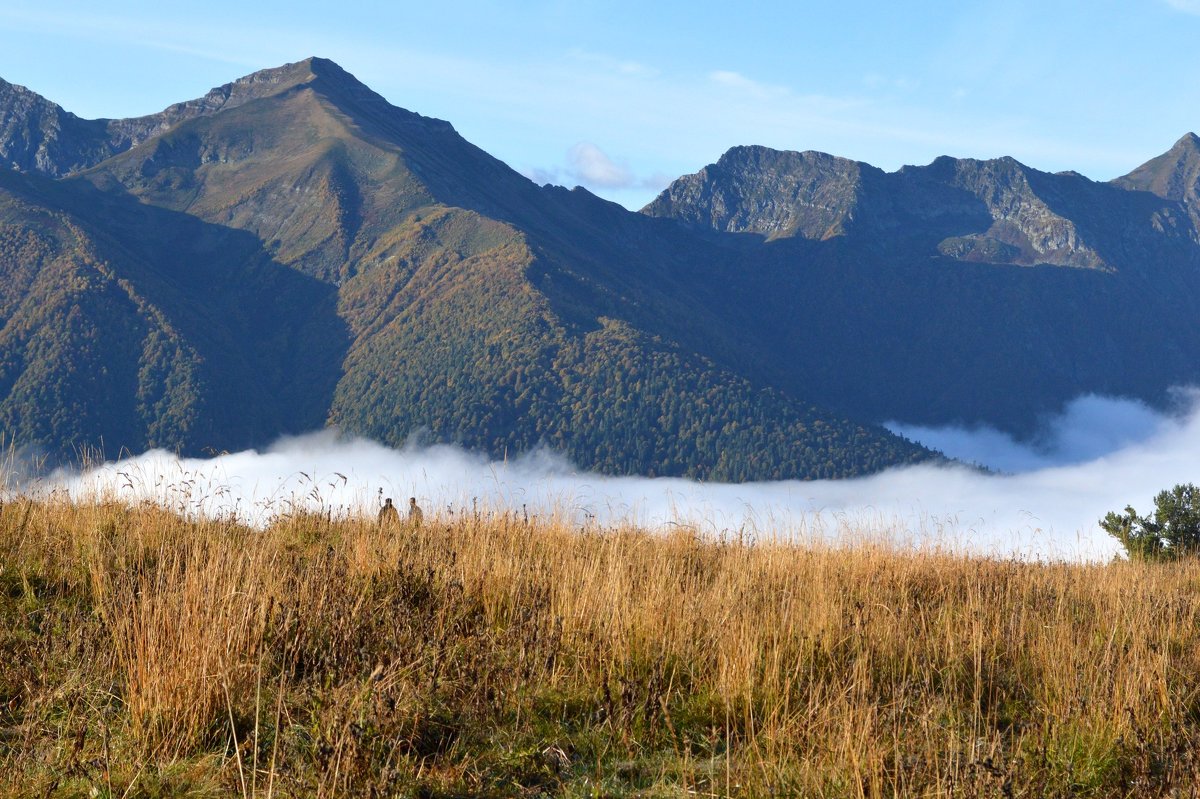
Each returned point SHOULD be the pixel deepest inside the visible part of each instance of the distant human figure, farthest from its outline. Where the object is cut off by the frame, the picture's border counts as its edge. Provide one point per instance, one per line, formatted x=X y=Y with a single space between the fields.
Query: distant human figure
x=415 y=517
x=388 y=515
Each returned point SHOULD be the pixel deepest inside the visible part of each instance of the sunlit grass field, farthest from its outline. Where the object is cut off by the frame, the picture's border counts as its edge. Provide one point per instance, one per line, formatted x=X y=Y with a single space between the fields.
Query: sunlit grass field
x=144 y=654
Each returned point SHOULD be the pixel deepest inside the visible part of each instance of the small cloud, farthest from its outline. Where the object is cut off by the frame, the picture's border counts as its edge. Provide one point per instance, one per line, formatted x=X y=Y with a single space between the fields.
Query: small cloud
x=748 y=86
x=1186 y=6
x=588 y=165
x=592 y=167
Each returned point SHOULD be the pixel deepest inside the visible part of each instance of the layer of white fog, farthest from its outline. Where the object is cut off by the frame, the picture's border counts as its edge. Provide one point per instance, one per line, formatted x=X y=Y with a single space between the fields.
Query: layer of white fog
x=1043 y=499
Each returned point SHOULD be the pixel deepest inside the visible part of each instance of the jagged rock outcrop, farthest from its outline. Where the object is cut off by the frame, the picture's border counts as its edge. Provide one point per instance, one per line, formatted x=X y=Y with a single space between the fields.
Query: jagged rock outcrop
x=995 y=211
x=770 y=192
x=38 y=136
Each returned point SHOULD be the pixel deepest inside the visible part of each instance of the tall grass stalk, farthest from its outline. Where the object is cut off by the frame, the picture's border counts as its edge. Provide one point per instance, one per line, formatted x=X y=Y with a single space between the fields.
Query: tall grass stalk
x=484 y=654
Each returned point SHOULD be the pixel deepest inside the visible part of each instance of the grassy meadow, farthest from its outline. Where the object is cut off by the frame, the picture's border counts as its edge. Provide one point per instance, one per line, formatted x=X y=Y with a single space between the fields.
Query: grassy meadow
x=143 y=654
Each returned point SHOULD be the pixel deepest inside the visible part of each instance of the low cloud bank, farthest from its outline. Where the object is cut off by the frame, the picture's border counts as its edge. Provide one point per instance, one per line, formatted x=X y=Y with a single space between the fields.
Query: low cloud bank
x=1099 y=455
x=1088 y=428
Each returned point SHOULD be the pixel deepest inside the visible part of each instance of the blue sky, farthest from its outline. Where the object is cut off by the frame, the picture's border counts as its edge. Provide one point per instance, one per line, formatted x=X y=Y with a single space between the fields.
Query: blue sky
x=623 y=96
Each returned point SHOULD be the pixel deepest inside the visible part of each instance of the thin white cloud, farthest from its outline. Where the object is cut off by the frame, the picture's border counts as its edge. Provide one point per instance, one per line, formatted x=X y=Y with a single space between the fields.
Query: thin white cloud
x=194 y=38
x=238 y=50
x=618 y=65
x=1186 y=6
x=747 y=86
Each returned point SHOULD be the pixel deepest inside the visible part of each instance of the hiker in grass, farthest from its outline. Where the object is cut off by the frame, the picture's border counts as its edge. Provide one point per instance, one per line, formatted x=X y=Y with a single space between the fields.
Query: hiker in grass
x=388 y=515
x=415 y=517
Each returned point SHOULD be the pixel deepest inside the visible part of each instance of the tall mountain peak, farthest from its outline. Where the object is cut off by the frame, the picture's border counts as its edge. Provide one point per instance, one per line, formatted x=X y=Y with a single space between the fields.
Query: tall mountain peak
x=38 y=136
x=274 y=80
x=1189 y=141
x=312 y=71
x=1174 y=175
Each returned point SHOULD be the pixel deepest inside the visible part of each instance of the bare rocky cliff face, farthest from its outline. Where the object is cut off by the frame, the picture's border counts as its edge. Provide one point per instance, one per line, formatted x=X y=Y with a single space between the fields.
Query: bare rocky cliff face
x=38 y=136
x=994 y=211
x=769 y=192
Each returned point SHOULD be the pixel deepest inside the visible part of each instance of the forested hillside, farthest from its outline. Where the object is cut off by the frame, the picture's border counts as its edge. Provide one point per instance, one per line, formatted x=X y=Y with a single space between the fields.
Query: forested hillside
x=293 y=250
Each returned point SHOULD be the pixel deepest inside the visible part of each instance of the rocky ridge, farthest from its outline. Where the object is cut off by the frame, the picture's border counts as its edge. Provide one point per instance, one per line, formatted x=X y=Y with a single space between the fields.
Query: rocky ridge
x=994 y=211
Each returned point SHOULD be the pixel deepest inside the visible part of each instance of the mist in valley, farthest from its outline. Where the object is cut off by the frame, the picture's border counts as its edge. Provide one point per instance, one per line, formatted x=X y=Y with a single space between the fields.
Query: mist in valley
x=1039 y=499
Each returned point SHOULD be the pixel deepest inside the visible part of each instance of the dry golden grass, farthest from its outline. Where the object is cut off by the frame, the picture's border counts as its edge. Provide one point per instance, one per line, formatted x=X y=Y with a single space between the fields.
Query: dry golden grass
x=147 y=655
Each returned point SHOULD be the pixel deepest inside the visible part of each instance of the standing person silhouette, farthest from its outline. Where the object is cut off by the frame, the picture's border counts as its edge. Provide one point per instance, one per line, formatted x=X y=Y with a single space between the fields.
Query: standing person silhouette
x=415 y=516
x=388 y=515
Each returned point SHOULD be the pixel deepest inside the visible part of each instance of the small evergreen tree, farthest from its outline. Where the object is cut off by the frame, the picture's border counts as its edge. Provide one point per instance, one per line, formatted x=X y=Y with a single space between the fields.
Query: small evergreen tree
x=1173 y=531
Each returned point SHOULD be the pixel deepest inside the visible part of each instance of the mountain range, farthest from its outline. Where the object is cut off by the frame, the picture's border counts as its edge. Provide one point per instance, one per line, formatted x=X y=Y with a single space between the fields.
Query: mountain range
x=292 y=251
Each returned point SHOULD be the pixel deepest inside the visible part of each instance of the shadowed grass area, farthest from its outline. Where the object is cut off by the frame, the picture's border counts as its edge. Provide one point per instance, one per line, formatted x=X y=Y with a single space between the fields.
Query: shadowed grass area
x=148 y=655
